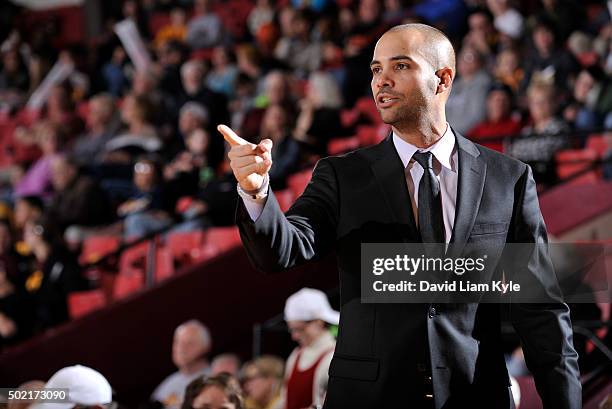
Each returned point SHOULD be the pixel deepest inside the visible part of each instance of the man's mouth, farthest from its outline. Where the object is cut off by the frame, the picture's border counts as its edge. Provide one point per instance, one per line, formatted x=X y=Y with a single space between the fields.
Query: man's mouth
x=385 y=101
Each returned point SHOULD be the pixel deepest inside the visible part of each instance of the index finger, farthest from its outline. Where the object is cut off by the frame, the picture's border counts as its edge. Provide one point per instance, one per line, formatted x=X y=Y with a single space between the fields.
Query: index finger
x=230 y=136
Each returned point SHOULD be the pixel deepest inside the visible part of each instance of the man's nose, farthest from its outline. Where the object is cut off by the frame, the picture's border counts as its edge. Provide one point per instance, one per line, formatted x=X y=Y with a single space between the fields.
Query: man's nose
x=383 y=80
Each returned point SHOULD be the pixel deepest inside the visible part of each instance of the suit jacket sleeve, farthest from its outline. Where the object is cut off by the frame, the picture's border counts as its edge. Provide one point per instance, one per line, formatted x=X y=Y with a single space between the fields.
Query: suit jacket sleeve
x=277 y=241
x=544 y=328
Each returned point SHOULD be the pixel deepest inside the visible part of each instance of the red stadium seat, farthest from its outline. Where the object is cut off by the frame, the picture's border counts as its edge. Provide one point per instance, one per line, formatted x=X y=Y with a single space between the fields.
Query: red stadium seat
x=83 y=302
x=221 y=239
x=348 y=117
x=185 y=247
x=599 y=144
x=367 y=107
x=298 y=181
x=341 y=145
x=128 y=283
x=96 y=247
x=285 y=199
x=573 y=161
x=164 y=264
x=367 y=135
x=134 y=259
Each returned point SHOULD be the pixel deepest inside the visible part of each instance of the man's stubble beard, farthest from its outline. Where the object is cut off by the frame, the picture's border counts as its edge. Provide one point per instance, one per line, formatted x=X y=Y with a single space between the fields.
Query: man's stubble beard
x=408 y=115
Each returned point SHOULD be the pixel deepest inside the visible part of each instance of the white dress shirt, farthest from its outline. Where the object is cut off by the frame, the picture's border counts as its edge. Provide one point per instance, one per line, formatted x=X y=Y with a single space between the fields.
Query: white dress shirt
x=445 y=167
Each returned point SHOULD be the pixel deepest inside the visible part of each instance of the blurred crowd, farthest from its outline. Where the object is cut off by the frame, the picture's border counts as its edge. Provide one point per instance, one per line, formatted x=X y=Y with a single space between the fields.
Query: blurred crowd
x=118 y=150
x=224 y=381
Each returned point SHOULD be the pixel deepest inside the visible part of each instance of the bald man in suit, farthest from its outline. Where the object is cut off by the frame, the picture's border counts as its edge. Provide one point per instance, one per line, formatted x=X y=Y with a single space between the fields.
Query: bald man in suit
x=425 y=183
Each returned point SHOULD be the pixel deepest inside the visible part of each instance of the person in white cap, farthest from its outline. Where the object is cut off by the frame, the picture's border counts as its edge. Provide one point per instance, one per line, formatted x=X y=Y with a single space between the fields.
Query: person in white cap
x=308 y=315
x=86 y=388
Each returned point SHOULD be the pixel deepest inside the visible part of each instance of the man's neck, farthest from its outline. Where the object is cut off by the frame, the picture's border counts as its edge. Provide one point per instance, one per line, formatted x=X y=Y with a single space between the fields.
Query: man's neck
x=194 y=367
x=423 y=134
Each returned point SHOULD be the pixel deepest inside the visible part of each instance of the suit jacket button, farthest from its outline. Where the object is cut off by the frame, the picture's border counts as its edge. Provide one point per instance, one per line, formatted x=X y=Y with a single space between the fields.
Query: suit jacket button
x=432 y=312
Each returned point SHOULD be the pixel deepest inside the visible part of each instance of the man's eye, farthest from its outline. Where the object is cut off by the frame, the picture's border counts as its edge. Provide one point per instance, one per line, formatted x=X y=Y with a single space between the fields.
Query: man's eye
x=401 y=66
x=376 y=70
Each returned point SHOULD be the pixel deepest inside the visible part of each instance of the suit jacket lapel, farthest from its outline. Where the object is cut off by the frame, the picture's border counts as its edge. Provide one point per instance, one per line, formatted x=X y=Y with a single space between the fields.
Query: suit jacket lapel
x=472 y=173
x=389 y=172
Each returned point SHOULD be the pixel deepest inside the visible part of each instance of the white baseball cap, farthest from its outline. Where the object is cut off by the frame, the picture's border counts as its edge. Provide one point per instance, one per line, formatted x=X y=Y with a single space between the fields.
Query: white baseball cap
x=309 y=304
x=85 y=386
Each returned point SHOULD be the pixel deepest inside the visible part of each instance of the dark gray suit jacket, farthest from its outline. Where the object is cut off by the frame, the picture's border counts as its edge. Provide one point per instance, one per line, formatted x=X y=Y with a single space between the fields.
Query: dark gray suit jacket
x=361 y=197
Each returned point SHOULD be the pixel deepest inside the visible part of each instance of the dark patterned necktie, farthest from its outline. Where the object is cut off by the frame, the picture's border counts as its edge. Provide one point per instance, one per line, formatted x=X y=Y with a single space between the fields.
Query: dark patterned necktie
x=431 y=222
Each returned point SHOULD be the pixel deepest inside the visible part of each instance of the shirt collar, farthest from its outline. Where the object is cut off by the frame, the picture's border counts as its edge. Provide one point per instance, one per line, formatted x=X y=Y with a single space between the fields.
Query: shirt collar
x=442 y=150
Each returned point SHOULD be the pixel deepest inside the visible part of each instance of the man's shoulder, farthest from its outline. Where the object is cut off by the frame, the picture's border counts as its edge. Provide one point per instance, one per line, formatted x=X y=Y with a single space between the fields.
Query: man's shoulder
x=498 y=160
x=358 y=157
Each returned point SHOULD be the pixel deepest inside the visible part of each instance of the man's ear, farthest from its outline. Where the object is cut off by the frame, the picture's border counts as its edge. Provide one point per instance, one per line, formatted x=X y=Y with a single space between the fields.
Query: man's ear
x=445 y=79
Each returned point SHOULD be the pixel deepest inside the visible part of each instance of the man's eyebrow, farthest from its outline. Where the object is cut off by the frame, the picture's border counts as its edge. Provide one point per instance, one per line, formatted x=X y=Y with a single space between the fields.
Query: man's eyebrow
x=394 y=58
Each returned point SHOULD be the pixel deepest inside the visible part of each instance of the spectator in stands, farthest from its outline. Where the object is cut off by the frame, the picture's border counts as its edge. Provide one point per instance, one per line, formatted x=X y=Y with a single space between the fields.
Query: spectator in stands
x=87 y=388
x=215 y=201
x=27 y=208
x=189 y=169
x=192 y=77
x=15 y=314
x=175 y=30
x=276 y=125
x=297 y=49
x=308 y=314
x=262 y=13
x=358 y=46
x=225 y=363
x=13 y=75
x=149 y=208
x=139 y=136
x=144 y=83
x=581 y=45
x=114 y=73
x=319 y=117
x=192 y=116
x=499 y=122
x=102 y=125
x=7 y=262
x=37 y=181
x=508 y=68
x=244 y=99
x=60 y=111
x=276 y=92
x=466 y=105
x=481 y=36
x=262 y=380
x=78 y=200
x=507 y=20
x=591 y=100
x=222 y=76
x=204 y=30
x=545 y=135
x=395 y=12
x=567 y=15
x=55 y=273
x=248 y=61
x=547 y=61
x=26 y=386
x=218 y=392
x=170 y=59
x=191 y=344
x=131 y=9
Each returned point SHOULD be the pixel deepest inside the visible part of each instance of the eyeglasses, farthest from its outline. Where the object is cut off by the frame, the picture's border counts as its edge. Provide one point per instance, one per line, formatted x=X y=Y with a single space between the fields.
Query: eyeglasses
x=143 y=168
